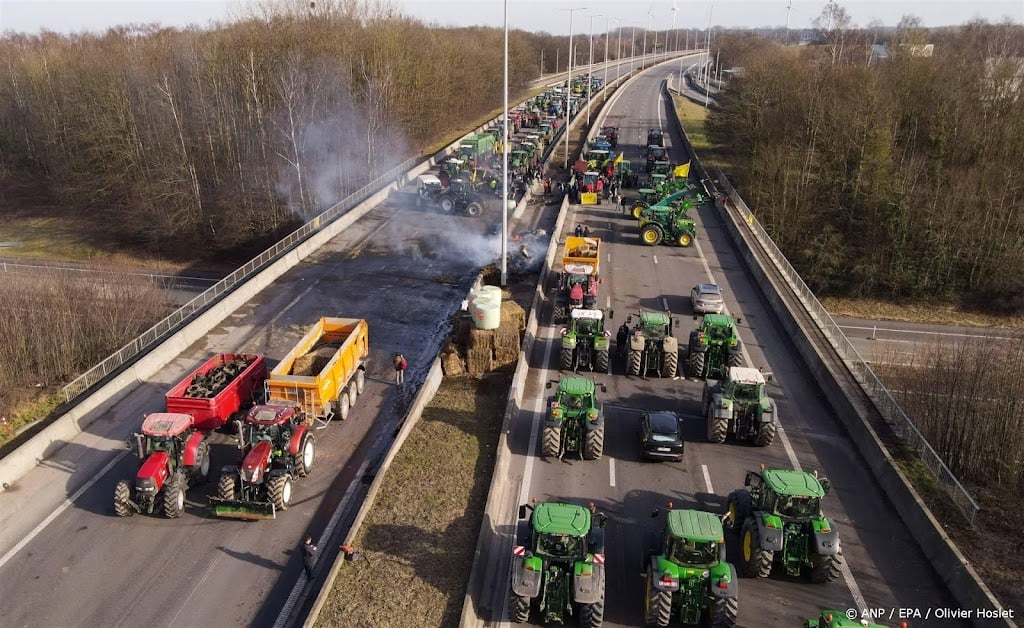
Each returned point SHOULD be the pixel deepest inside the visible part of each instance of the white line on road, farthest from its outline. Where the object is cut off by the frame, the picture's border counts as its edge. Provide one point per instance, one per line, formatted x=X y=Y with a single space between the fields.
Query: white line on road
x=707 y=479
x=655 y=258
x=611 y=471
x=609 y=257
x=608 y=302
x=64 y=506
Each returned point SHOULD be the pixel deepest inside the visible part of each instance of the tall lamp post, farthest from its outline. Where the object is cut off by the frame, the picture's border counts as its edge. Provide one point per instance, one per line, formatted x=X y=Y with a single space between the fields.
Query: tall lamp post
x=607 y=35
x=504 y=166
x=568 y=88
x=590 y=72
x=707 y=71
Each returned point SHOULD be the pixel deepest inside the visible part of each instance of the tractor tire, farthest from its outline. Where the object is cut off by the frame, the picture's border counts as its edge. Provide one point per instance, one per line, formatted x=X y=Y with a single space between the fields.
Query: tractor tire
x=279 y=489
x=670 y=364
x=360 y=381
x=696 y=364
x=200 y=473
x=303 y=461
x=602 y=362
x=651 y=235
x=565 y=359
x=739 y=506
x=718 y=429
x=757 y=561
x=685 y=239
x=122 y=500
x=519 y=608
x=635 y=361
x=725 y=613
x=343 y=405
x=658 y=606
x=226 y=486
x=474 y=209
x=826 y=568
x=446 y=203
x=552 y=441
x=592 y=615
x=765 y=435
x=637 y=210
x=735 y=359
x=174 y=496
x=593 y=446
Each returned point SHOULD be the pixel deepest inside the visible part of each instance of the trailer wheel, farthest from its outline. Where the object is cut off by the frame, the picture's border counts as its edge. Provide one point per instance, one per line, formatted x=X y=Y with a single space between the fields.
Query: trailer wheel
x=360 y=380
x=303 y=461
x=343 y=405
x=280 y=491
x=226 y=486
x=353 y=394
x=201 y=471
x=122 y=500
x=174 y=496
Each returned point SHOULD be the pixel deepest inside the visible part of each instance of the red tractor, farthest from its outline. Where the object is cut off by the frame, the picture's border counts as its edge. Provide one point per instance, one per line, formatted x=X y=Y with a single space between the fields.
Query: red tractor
x=174 y=455
x=278 y=447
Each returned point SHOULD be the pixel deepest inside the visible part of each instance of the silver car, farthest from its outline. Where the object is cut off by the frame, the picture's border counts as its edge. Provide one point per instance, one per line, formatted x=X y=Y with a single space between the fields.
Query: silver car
x=707 y=297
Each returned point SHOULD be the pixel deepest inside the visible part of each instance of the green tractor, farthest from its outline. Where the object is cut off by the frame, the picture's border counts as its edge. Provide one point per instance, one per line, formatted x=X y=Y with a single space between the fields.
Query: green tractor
x=558 y=565
x=585 y=342
x=713 y=346
x=831 y=618
x=738 y=406
x=661 y=166
x=645 y=198
x=652 y=347
x=778 y=516
x=687 y=575
x=575 y=422
x=667 y=220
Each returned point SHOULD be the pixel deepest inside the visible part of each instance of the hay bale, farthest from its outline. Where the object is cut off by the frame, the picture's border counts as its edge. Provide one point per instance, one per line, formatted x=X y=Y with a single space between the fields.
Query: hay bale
x=506 y=339
x=479 y=360
x=504 y=356
x=451 y=363
x=512 y=315
x=313 y=362
x=481 y=339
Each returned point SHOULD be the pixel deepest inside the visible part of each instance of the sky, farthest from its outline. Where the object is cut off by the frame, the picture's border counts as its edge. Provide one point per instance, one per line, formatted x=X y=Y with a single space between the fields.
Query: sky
x=71 y=16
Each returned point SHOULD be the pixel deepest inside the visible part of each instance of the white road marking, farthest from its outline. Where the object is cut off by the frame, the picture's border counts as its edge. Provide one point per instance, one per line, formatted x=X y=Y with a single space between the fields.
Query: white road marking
x=707 y=479
x=609 y=258
x=655 y=258
x=607 y=302
x=611 y=471
x=64 y=506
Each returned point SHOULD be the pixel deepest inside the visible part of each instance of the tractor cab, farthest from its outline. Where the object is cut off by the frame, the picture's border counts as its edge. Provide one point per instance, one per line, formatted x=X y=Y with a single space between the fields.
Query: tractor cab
x=453 y=167
x=658 y=182
x=582 y=288
x=597 y=158
x=793 y=495
x=654 y=325
x=575 y=394
x=164 y=431
x=588 y=322
x=661 y=166
x=590 y=181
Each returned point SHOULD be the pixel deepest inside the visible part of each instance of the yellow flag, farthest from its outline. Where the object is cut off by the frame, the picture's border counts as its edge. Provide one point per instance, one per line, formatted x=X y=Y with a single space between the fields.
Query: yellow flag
x=682 y=171
x=618 y=160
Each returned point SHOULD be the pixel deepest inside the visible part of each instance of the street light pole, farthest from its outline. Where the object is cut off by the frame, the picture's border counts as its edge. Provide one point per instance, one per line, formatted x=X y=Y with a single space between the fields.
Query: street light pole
x=643 y=60
x=633 y=51
x=590 y=72
x=707 y=65
x=504 y=164
x=568 y=87
x=607 y=35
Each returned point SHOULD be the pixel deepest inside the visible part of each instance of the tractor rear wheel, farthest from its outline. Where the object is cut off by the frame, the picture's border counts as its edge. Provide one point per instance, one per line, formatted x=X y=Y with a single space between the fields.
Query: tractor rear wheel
x=593 y=447
x=565 y=359
x=343 y=405
x=551 y=441
x=765 y=435
x=725 y=613
x=718 y=429
x=122 y=500
x=602 y=362
x=738 y=508
x=201 y=471
x=651 y=235
x=757 y=561
x=635 y=361
x=670 y=364
x=685 y=239
x=658 y=607
x=303 y=460
x=279 y=488
x=735 y=359
x=696 y=364
x=174 y=496
x=826 y=568
x=474 y=209
x=446 y=203
x=519 y=608
x=591 y=615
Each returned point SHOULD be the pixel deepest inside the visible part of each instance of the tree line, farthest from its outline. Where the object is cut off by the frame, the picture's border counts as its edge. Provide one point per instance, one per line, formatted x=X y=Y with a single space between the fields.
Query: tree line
x=896 y=178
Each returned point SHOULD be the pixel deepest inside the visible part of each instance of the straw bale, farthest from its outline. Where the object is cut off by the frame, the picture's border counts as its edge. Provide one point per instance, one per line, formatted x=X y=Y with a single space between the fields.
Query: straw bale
x=481 y=339
x=479 y=360
x=451 y=363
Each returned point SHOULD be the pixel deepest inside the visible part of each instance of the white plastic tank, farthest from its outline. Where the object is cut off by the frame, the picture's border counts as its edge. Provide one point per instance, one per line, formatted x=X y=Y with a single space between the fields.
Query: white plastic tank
x=492 y=292
x=486 y=311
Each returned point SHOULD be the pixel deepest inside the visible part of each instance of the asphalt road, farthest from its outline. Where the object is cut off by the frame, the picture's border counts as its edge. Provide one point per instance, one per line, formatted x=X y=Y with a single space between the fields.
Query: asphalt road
x=886 y=568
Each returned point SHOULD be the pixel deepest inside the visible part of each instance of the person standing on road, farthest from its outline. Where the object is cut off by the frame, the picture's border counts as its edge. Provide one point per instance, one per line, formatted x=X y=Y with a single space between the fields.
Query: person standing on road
x=309 y=552
x=400 y=365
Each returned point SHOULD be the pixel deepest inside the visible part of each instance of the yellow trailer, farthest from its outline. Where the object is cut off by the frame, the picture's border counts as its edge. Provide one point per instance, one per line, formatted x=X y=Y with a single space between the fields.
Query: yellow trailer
x=325 y=372
x=580 y=253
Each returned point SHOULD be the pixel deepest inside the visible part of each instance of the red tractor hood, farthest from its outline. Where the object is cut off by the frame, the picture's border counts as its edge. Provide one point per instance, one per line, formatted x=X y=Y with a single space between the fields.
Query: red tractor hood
x=258 y=457
x=154 y=467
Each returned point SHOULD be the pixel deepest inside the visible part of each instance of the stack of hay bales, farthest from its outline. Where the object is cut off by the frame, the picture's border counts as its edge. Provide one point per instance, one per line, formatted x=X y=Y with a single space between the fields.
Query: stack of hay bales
x=314 y=361
x=451 y=359
x=480 y=351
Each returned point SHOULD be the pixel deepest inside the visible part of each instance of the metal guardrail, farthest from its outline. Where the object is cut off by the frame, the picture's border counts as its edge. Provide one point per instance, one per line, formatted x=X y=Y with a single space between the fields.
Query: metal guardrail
x=901 y=423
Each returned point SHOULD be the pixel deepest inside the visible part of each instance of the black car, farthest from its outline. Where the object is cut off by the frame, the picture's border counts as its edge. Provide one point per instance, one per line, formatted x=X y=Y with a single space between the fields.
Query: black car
x=661 y=436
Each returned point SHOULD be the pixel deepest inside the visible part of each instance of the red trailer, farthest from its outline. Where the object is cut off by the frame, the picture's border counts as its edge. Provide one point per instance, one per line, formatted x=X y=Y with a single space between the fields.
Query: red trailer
x=221 y=389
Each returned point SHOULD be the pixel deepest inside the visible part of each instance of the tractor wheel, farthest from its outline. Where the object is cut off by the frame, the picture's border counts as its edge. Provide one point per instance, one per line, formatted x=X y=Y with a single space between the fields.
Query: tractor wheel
x=635 y=361
x=725 y=613
x=658 y=606
x=122 y=500
x=551 y=441
x=592 y=615
x=735 y=359
x=343 y=405
x=474 y=209
x=670 y=364
x=593 y=447
x=303 y=461
x=226 y=486
x=565 y=359
x=446 y=203
x=718 y=429
x=765 y=435
x=685 y=239
x=519 y=608
x=696 y=364
x=360 y=381
x=737 y=510
x=826 y=568
x=757 y=561
x=174 y=496
x=637 y=210
x=602 y=363
x=279 y=489
x=651 y=235
x=201 y=471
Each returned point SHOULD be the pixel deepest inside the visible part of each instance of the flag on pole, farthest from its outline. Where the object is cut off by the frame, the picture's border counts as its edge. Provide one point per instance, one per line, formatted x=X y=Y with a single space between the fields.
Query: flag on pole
x=682 y=171
x=618 y=160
